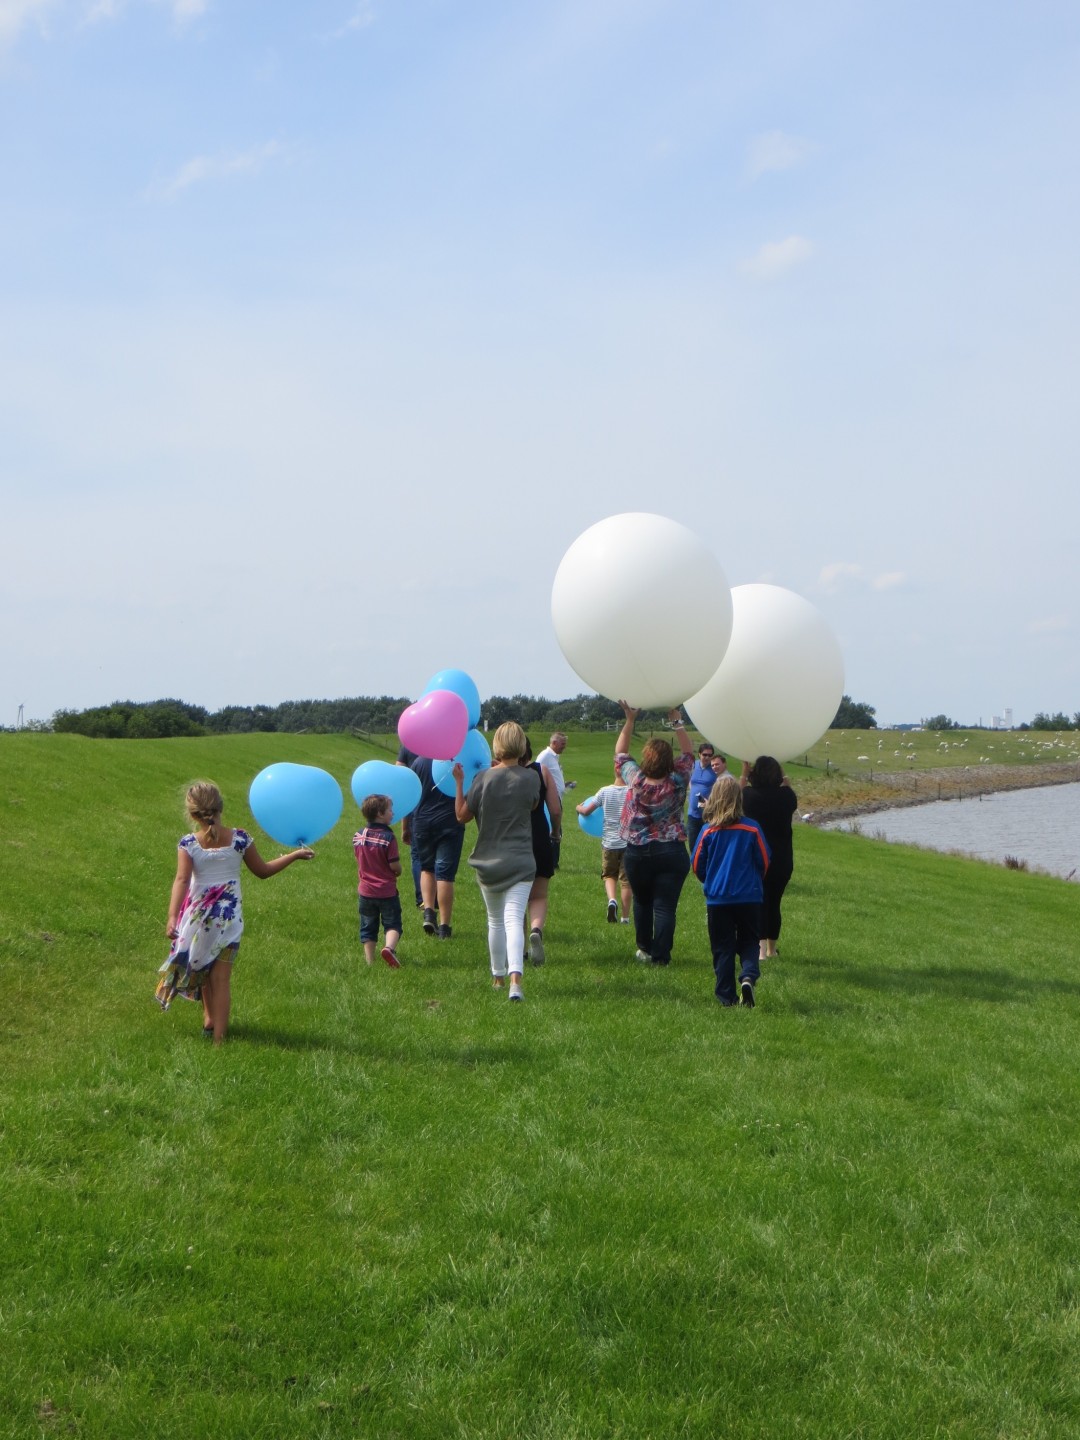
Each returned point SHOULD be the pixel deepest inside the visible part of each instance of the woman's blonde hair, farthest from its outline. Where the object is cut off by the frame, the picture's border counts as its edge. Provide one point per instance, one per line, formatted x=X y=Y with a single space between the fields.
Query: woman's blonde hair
x=509 y=741
x=724 y=804
x=204 y=806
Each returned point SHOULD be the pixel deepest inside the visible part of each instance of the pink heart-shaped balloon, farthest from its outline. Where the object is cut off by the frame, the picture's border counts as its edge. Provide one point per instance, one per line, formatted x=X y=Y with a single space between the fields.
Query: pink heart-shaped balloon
x=435 y=726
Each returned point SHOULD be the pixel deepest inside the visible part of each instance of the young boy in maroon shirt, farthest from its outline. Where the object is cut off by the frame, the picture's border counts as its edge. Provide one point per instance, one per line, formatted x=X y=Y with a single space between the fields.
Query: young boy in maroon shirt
x=378 y=866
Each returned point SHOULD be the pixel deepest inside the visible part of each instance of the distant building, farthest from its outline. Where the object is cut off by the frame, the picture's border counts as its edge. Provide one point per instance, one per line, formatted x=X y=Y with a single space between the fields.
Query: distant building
x=1004 y=721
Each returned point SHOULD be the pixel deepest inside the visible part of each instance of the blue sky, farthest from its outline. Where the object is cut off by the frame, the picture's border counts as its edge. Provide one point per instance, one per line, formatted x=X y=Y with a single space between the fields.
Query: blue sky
x=326 y=328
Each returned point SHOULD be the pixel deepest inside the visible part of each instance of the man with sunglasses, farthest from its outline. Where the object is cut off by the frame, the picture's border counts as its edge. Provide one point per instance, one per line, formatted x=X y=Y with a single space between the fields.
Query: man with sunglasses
x=702 y=779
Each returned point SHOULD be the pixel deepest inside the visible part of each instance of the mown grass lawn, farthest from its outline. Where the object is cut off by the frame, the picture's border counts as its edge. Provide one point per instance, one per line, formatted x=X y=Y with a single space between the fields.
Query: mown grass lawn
x=396 y=1205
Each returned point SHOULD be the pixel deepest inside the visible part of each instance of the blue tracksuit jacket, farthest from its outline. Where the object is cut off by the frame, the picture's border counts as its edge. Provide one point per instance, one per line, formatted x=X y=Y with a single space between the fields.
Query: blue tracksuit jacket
x=731 y=863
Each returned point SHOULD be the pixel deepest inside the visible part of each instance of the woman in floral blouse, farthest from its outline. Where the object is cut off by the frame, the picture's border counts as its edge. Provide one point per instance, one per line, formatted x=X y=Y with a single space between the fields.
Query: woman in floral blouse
x=657 y=862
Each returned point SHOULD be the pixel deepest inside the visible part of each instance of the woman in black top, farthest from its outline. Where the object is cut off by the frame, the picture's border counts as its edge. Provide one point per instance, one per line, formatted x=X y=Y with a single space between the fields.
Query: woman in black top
x=770 y=800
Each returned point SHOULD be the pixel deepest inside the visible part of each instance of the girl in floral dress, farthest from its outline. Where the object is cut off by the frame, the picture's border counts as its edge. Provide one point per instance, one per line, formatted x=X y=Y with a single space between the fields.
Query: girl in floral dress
x=205 y=915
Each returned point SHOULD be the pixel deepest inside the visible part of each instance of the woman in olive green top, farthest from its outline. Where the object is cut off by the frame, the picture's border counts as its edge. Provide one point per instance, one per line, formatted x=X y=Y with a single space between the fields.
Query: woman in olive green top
x=501 y=801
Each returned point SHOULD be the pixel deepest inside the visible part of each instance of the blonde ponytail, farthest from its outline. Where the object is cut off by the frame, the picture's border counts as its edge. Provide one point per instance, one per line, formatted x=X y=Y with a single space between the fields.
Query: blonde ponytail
x=204 y=806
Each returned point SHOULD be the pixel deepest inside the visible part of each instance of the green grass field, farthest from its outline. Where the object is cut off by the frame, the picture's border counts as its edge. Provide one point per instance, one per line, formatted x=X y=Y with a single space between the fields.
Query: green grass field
x=396 y=1205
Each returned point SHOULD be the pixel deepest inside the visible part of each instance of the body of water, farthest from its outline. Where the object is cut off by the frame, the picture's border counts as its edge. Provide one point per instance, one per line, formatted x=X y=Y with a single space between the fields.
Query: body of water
x=1040 y=826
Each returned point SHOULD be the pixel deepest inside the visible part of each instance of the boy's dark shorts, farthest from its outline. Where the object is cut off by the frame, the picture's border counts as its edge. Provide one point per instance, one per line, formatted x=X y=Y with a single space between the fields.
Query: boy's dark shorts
x=373 y=909
x=440 y=850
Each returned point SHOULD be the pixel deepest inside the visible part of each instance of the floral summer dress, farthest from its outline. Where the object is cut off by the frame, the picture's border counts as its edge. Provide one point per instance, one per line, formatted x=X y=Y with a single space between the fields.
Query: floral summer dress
x=211 y=918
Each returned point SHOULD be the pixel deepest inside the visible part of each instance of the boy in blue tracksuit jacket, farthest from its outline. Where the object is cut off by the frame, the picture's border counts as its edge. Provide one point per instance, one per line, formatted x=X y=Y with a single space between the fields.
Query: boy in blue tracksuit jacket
x=730 y=860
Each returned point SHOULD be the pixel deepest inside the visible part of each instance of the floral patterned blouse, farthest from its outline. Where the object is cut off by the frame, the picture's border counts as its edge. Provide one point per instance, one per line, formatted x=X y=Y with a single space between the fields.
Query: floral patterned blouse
x=653 y=809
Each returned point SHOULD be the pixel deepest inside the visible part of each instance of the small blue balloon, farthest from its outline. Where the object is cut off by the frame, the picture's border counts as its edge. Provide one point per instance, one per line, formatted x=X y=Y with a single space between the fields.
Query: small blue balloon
x=592 y=824
x=460 y=684
x=379 y=777
x=474 y=755
x=295 y=804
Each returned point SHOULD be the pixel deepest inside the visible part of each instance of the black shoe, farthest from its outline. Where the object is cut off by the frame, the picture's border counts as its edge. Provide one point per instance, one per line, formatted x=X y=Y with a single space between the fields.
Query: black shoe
x=429 y=922
x=612 y=913
x=747 y=989
x=444 y=932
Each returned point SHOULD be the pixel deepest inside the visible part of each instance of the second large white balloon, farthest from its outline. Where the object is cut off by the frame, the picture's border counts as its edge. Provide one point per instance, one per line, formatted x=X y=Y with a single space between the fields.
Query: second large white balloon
x=780 y=682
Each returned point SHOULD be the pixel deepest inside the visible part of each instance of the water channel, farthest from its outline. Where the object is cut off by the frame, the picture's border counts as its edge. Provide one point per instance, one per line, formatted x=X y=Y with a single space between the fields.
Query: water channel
x=1041 y=827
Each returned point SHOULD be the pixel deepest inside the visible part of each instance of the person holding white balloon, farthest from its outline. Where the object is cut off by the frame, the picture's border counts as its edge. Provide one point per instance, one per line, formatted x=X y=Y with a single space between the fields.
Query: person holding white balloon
x=657 y=862
x=769 y=799
x=501 y=800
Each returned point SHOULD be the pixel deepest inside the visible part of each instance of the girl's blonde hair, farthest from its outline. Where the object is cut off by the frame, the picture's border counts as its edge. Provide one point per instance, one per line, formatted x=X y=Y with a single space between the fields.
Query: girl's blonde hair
x=724 y=804
x=204 y=806
x=509 y=741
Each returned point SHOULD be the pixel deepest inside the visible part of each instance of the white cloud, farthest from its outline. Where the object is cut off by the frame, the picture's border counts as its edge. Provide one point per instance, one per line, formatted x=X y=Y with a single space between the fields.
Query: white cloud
x=776 y=150
x=846 y=573
x=776 y=257
x=213 y=167
x=1050 y=625
x=15 y=14
x=104 y=10
x=362 y=17
x=185 y=10
x=833 y=576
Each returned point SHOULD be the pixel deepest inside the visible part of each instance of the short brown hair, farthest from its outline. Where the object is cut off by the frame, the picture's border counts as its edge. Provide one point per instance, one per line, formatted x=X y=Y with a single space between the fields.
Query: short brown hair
x=374 y=806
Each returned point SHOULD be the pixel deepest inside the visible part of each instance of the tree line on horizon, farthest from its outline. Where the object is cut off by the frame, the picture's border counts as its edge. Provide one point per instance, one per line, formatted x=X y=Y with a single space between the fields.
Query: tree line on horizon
x=378 y=715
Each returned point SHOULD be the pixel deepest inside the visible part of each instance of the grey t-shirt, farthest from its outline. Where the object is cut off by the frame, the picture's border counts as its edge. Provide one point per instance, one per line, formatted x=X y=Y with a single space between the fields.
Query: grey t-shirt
x=502 y=799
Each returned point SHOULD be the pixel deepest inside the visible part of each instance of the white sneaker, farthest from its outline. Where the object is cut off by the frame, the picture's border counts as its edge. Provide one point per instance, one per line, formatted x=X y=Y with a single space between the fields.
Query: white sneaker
x=515 y=991
x=536 y=948
x=645 y=959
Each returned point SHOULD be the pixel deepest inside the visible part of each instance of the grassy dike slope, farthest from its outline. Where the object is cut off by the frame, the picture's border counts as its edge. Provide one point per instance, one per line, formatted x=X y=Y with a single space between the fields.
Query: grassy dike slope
x=396 y=1205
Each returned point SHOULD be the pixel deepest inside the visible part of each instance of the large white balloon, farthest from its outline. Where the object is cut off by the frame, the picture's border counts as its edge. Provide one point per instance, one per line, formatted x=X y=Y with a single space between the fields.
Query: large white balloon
x=642 y=610
x=780 y=683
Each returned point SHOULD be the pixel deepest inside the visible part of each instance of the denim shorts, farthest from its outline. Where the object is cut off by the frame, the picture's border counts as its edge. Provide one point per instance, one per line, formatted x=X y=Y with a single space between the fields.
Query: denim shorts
x=386 y=908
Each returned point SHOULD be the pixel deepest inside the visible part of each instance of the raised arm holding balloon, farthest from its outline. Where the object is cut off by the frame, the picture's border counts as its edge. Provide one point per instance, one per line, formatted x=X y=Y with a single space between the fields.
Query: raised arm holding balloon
x=656 y=861
x=206 y=920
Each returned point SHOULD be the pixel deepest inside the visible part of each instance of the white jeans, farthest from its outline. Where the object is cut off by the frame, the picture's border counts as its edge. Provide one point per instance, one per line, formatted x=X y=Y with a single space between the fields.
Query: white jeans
x=506 y=909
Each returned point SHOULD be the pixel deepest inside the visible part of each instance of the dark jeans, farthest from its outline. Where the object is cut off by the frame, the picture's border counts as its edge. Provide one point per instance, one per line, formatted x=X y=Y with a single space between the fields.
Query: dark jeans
x=414 y=864
x=733 y=930
x=656 y=872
